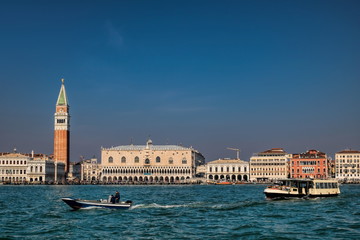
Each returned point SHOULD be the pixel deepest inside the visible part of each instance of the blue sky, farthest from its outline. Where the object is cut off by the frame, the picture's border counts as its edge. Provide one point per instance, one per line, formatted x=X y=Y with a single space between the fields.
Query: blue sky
x=209 y=74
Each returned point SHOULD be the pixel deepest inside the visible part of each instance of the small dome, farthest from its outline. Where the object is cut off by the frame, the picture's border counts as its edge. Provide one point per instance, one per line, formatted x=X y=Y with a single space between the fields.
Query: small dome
x=149 y=142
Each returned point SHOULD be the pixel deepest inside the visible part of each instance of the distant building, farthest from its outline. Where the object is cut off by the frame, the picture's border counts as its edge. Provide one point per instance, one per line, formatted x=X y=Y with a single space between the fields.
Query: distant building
x=91 y=171
x=13 y=167
x=42 y=169
x=311 y=164
x=62 y=129
x=30 y=168
x=269 y=165
x=347 y=165
x=149 y=163
x=227 y=169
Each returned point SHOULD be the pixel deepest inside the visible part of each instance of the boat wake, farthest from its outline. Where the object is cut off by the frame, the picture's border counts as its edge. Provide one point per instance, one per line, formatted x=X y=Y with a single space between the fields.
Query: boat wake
x=200 y=205
x=155 y=205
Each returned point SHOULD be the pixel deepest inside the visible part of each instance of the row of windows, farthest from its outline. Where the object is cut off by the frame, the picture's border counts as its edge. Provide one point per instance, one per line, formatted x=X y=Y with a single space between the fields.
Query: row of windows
x=227 y=169
x=349 y=171
x=293 y=163
x=267 y=169
x=307 y=170
x=348 y=156
x=7 y=162
x=35 y=169
x=147 y=160
x=347 y=161
x=13 y=171
x=267 y=174
x=15 y=179
x=348 y=175
x=270 y=160
x=145 y=171
x=326 y=185
x=267 y=164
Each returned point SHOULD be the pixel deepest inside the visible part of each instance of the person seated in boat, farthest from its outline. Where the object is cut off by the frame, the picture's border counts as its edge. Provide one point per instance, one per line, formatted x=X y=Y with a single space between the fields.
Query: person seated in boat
x=117 y=197
x=112 y=199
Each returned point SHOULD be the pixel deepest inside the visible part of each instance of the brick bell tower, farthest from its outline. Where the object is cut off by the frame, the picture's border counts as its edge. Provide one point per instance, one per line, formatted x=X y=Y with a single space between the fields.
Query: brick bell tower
x=62 y=129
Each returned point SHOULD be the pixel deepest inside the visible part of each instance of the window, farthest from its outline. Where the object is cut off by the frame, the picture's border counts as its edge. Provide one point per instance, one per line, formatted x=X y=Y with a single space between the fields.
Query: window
x=157 y=159
x=60 y=120
x=136 y=159
x=123 y=160
x=147 y=161
x=171 y=161
x=184 y=161
x=111 y=160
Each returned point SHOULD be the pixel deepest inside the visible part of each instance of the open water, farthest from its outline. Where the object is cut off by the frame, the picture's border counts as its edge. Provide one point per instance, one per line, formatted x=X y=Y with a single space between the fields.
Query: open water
x=176 y=212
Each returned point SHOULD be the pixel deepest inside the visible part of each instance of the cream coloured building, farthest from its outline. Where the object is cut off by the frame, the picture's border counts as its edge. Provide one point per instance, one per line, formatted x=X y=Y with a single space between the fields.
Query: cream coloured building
x=269 y=165
x=227 y=169
x=42 y=169
x=149 y=163
x=13 y=167
x=32 y=168
x=91 y=171
x=347 y=165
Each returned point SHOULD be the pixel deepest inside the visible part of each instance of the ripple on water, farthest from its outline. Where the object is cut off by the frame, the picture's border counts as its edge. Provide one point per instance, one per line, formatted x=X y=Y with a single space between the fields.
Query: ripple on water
x=177 y=212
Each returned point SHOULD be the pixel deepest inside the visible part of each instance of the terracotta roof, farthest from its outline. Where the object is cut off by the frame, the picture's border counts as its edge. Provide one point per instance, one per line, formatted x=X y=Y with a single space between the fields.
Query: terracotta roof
x=310 y=154
x=274 y=150
x=349 y=151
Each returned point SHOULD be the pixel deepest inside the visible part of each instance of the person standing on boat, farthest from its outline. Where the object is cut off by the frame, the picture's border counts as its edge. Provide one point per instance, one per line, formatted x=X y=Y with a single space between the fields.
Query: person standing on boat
x=117 y=197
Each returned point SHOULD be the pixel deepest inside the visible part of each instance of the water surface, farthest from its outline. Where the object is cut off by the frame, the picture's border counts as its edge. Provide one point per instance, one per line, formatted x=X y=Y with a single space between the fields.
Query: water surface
x=176 y=212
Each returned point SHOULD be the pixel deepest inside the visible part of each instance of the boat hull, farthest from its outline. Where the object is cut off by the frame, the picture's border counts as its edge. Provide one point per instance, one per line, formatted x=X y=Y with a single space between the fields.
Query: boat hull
x=289 y=196
x=78 y=204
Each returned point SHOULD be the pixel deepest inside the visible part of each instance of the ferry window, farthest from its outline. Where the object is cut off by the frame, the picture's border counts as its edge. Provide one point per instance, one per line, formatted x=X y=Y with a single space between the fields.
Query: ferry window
x=322 y=185
x=317 y=185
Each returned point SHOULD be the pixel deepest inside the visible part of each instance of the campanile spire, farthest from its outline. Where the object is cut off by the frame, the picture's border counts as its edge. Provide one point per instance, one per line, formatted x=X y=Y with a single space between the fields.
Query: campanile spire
x=62 y=129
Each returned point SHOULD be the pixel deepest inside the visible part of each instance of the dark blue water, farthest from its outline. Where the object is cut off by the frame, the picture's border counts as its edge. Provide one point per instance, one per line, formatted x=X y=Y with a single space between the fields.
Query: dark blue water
x=176 y=212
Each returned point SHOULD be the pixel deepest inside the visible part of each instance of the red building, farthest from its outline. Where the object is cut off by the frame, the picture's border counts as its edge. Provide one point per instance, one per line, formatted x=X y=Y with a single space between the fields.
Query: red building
x=311 y=164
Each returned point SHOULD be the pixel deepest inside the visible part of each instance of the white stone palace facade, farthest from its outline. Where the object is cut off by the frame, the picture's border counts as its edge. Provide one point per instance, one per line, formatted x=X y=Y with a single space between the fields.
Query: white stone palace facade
x=149 y=163
x=29 y=168
x=234 y=170
x=347 y=165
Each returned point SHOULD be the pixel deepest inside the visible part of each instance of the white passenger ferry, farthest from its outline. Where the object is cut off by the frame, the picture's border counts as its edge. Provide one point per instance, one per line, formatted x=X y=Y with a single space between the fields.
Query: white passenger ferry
x=300 y=188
